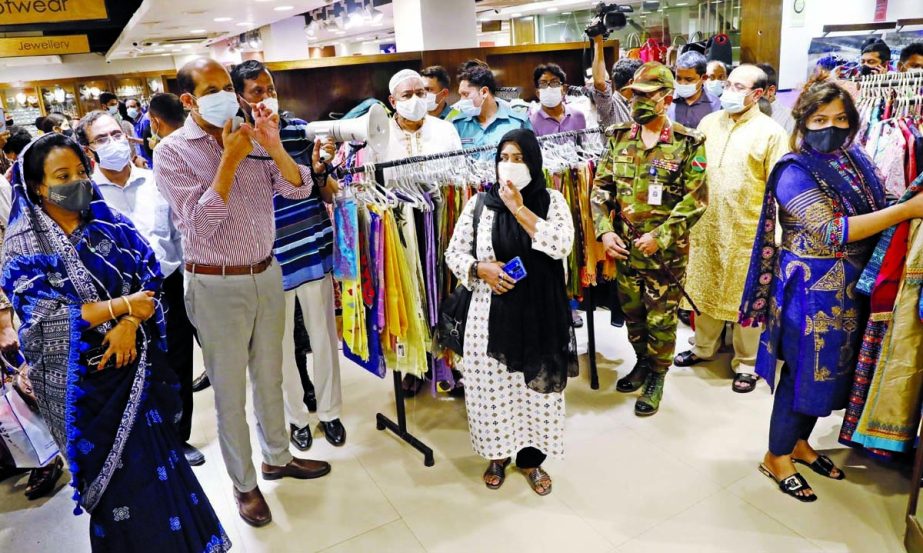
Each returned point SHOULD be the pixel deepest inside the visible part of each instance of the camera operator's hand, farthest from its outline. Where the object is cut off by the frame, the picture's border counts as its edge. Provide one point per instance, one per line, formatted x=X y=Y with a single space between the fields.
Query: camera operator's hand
x=599 y=63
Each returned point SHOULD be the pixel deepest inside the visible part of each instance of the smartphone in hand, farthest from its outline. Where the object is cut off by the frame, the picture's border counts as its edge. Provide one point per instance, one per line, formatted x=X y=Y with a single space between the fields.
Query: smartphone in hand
x=515 y=269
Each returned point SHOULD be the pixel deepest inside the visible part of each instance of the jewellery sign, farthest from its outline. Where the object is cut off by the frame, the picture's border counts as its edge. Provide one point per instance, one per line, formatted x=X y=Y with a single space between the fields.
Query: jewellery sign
x=43 y=45
x=18 y=12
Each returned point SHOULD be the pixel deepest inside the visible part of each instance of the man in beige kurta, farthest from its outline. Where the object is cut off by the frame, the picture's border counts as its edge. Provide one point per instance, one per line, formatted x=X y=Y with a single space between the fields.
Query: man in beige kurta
x=741 y=148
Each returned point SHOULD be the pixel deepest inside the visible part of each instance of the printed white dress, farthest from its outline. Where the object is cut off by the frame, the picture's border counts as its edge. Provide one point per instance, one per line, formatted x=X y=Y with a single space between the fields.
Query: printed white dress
x=504 y=415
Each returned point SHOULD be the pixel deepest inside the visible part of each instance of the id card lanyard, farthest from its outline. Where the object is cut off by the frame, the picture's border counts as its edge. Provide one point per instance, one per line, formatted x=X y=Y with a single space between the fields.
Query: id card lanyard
x=654 y=189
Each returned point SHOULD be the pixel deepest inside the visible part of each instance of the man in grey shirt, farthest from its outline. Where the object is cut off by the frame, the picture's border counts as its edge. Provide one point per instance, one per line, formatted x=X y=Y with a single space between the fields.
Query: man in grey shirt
x=611 y=102
x=781 y=113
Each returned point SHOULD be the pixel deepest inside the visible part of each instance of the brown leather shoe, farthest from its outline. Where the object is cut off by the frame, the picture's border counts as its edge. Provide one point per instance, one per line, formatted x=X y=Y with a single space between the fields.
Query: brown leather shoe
x=253 y=507
x=302 y=469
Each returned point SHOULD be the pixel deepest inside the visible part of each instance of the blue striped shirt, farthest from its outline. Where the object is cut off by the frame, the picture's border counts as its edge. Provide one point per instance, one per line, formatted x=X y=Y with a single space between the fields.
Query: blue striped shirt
x=304 y=235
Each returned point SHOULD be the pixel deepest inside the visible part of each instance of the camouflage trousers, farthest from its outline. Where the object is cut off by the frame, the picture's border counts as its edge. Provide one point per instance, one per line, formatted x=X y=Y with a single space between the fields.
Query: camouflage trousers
x=650 y=301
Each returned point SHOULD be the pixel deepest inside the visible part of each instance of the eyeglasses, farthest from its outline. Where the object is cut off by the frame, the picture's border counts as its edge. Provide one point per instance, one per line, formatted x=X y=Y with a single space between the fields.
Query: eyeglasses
x=104 y=139
x=552 y=84
x=737 y=87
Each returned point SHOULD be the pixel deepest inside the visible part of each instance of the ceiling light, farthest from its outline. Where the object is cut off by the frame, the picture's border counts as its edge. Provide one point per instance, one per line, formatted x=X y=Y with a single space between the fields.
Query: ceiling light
x=565 y=13
x=283 y=8
x=552 y=9
x=222 y=19
x=245 y=24
x=197 y=31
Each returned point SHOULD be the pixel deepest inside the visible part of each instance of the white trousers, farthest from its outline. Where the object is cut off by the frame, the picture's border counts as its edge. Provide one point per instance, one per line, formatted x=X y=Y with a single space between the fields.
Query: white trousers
x=746 y=342
x=316 y=299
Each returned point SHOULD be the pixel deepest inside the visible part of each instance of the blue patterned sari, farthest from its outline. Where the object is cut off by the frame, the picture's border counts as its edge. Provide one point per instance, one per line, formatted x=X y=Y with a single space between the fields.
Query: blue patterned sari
x=804 y=290
x=115 y=425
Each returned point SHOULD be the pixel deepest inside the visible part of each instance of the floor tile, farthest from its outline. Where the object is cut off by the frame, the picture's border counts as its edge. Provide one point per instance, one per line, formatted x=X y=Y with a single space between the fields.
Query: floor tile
x=394 y=537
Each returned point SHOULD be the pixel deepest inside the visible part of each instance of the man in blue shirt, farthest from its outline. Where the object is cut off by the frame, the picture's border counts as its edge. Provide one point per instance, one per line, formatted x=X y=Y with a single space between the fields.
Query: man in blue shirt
x=436 y=81
x=304 y=249
x=691 y=101
x=483 y=120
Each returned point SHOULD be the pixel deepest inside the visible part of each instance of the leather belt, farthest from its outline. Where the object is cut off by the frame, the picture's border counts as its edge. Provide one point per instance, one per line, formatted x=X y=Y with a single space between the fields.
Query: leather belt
x=230 y=270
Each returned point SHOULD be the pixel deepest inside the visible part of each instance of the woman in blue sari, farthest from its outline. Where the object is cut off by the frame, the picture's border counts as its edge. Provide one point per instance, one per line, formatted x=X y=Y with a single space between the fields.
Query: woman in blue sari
x=804 y=290
x=84 y=285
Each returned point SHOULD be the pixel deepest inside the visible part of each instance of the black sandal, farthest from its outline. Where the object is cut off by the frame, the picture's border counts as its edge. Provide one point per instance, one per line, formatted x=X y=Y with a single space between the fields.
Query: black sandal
x=43 y=480
x=744 y=383
x=791 y=485
x=823 y=466
x=498 y=469
x=537 y=477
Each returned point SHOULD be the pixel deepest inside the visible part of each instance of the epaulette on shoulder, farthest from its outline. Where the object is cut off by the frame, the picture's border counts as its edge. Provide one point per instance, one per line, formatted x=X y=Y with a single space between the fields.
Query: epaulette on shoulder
x=695 y=135
x=612 y=129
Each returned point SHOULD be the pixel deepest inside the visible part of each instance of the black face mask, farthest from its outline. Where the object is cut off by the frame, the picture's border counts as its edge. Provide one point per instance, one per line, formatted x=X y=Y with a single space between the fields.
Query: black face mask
x=74 y=196
x=68 y=132
x=827 y=139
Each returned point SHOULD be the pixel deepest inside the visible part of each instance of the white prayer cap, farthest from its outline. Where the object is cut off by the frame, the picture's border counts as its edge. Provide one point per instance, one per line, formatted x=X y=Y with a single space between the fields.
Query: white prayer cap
x=402 y=76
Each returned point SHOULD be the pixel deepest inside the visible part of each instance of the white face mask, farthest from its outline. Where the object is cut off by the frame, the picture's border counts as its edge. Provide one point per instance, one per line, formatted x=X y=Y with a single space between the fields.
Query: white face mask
x=114 y=110
x=114 y=155
x=431 y=103
x=715 y=88
x=686 y=90
x=218 y=107
x=413 y=109
x=133 y=113
x=272 y=104
x=551 y=97
x=517 y=173
x=733 y=101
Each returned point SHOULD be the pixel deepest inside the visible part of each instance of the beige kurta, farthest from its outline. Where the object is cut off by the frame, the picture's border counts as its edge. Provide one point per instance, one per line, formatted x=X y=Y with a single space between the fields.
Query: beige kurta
x=740 y=156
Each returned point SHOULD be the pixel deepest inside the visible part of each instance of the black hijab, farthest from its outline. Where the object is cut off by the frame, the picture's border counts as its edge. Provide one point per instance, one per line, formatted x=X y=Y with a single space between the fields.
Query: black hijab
x=530 y=326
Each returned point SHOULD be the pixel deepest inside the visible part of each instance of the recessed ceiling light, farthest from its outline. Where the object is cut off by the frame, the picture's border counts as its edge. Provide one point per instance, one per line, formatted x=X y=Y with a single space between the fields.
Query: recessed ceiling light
x=283 y=8
x=565 y=13
x=222 y=19
x=197 y=31
x=245 y=24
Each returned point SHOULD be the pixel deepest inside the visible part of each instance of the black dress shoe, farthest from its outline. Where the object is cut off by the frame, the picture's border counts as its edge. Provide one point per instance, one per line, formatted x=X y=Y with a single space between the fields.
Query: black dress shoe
x=193 y=456
x=201 y=383
x=301 y=437
x=334 y=432
x=687 y=359
x=310 y=400
x=684 y=316
x=633 y=381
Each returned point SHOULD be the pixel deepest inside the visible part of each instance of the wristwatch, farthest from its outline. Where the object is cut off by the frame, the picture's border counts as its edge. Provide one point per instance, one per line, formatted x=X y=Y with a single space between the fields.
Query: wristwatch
x=473 y=270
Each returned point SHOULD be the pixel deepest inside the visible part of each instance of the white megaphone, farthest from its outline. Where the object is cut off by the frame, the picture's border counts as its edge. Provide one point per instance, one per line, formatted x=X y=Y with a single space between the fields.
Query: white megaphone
x=373 y=128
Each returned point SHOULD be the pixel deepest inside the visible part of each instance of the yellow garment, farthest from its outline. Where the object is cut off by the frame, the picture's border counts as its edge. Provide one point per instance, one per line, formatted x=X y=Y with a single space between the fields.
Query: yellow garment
x=407 y=351
x=354 y=329
x=740 y=157
x=395 y=312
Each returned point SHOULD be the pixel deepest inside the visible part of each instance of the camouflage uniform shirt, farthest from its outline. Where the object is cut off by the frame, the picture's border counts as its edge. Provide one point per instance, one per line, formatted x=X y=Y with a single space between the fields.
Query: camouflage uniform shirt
x=627 y=173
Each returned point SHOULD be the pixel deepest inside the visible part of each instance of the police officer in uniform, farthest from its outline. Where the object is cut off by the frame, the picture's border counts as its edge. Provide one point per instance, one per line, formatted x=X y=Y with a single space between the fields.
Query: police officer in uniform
x=649 y=191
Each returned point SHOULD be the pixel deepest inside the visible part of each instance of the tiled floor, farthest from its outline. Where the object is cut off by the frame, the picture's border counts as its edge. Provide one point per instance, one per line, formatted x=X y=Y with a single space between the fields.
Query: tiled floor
x=684 y=480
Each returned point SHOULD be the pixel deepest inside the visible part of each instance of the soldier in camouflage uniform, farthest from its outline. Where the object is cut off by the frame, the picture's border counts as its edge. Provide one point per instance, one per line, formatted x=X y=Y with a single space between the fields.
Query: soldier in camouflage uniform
x=653 y=174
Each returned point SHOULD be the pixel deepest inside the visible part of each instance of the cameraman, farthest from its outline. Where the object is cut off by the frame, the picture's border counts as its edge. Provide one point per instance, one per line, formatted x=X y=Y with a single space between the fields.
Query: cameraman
x=611 y=102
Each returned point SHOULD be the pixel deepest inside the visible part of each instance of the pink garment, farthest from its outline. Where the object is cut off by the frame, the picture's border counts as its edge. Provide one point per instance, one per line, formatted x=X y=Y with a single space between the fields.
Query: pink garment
x=889 y=157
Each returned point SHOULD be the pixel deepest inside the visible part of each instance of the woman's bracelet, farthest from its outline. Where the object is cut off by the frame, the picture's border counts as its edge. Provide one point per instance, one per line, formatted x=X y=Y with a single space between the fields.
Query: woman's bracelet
x=520 y=209
x=127 y=304
x=111 y=312
x=132 y=320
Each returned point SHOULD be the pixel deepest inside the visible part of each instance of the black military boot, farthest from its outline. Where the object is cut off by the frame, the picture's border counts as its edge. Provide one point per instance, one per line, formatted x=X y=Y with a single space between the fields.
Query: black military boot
x=649 y=402
x=633 y=380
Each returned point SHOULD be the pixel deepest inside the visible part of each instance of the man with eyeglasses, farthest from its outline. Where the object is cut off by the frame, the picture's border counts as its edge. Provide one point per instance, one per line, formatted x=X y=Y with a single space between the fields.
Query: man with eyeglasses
x=652 y=176
x=414 y=131
x=131 y=191
x=554 y=115
x=742 y=145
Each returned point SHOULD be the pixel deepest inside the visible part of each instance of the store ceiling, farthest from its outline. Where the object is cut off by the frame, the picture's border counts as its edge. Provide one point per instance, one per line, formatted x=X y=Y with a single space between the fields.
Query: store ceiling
x=176 y=27
x=102 y=34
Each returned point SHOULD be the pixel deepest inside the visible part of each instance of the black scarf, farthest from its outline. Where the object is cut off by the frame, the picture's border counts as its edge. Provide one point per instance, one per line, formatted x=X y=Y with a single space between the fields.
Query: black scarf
x=530 y=326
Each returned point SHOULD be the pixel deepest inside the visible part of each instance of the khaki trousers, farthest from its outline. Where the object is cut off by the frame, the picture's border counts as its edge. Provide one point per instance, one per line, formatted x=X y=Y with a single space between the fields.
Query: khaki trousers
x=746 y=342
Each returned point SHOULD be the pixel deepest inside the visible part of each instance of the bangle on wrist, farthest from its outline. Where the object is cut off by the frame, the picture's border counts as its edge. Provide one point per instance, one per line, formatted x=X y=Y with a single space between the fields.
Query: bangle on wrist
x=111 y=312
x=132 y=320
x=520 y=209
x=127 y=305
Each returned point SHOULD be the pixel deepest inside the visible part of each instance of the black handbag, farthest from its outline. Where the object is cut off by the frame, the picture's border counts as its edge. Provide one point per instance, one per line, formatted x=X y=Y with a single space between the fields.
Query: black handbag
x=453 y=312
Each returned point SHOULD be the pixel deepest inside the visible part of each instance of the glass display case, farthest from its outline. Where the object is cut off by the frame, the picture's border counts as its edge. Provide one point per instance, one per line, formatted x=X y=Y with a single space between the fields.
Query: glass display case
x=128 y=88
x=88 y=94
x=23 y=105
x=154 y=86
x=60 y=98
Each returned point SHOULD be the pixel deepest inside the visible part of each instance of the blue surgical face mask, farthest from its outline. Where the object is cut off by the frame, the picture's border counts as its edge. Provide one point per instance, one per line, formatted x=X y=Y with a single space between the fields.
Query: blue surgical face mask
x=715 y=88
x=467 y=108
x=133 y=113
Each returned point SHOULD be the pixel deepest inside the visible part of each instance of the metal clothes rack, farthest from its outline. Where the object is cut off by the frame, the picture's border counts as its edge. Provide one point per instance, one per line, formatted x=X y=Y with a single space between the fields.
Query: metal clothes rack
x=399 y=428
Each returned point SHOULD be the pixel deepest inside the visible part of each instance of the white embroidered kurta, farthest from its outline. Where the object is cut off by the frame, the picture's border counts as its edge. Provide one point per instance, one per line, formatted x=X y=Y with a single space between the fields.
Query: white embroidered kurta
x=504 y=415
x=740 y=155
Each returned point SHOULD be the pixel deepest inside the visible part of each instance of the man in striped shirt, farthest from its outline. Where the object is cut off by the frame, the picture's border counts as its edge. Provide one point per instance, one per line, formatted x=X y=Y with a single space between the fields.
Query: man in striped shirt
x=304 y=249
x=220 y=184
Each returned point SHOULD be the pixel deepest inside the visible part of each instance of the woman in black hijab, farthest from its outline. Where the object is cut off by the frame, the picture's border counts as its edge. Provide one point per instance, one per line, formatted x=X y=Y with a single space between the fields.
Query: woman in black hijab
x=519 y=346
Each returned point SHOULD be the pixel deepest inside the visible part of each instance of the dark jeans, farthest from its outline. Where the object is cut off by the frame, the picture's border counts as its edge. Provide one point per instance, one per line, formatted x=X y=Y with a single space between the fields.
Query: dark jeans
x=530 y=458
x=786 y=426
x=180 y=334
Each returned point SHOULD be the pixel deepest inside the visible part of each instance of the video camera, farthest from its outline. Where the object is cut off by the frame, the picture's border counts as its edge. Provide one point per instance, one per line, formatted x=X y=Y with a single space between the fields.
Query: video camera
x=608 y=18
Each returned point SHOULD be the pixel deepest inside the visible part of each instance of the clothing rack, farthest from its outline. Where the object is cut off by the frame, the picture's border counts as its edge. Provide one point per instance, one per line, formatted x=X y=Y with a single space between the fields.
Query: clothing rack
x=399 y=428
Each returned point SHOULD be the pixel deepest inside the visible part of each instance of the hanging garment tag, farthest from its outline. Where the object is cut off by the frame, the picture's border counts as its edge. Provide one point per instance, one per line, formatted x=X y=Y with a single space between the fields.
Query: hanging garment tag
x=655 y=194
